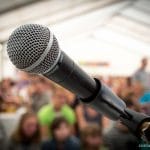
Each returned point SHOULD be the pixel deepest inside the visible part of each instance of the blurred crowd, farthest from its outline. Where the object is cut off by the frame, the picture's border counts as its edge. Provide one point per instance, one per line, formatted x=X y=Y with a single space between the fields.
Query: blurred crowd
x=52 y=118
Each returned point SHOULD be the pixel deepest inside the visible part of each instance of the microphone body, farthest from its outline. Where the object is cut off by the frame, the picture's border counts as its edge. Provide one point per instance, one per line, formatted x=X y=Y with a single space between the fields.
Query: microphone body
x=67 y=74
x=90 y=91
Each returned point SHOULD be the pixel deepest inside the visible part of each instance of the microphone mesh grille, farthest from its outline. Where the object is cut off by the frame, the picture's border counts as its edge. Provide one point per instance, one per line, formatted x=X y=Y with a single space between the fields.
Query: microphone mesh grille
x=49 y=59
x=27 y=43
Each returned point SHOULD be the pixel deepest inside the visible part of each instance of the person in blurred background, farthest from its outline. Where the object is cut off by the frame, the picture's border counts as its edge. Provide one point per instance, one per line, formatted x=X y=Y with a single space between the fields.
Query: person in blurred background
x=62 y=138
x=23 y=81
x=86 y=115
x=27 y=136
x=138 y=90
x=6 y=85
x=39 y=94
x=9 y=101
x=56 y=107
x=91 y=138
x=119 y=137
x=141 y=86
x=71 y=99
x=21 y=88
x=145 y=103
x=142 y=76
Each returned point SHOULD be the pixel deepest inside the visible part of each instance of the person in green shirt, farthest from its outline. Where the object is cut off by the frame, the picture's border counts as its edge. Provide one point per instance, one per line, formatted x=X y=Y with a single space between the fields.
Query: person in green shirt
x=57 y=107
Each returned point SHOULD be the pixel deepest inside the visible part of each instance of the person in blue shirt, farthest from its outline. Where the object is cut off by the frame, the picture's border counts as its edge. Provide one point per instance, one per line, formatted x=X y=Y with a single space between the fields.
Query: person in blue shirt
x=145 y=103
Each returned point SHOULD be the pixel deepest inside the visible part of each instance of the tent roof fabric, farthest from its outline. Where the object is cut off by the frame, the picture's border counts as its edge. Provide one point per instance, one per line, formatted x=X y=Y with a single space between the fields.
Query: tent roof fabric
x=117 y=34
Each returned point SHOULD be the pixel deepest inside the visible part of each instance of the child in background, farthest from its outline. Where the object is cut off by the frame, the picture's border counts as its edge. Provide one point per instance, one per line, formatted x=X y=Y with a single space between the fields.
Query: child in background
x=91 y=138
x=56 y=107
x=27 y=136
x=61 y=136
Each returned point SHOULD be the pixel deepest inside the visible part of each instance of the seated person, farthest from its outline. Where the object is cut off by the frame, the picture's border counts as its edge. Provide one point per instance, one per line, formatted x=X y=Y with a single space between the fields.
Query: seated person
x=39 y=93
x=57 y=107
x=27 y=136
x=61 y=136
x=86 y=115
x=91 y=138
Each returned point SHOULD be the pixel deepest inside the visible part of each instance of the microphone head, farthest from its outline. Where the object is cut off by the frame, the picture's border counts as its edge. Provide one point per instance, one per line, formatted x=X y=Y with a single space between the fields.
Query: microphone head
x=33 y=48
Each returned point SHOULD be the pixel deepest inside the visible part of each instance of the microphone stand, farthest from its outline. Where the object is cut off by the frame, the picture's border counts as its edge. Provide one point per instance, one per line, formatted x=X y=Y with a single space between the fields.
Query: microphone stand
x=138 y=124
x=107 y=103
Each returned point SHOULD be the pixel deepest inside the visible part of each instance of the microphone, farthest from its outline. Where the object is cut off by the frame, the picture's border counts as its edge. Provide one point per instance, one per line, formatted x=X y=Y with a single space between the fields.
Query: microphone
x=34 y=48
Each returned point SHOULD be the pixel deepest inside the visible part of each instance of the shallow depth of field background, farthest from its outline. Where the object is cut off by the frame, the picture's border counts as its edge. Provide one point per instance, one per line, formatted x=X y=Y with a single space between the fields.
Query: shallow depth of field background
x=106 y=38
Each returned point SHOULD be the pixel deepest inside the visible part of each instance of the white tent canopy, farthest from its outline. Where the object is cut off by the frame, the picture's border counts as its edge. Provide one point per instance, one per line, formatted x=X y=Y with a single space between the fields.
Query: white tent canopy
x=117 y=40
x=112 y=35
